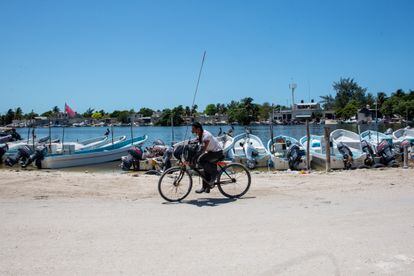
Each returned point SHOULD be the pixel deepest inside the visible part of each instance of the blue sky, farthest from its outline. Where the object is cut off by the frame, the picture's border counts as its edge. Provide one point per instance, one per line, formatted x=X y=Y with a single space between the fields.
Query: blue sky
x=130 y=54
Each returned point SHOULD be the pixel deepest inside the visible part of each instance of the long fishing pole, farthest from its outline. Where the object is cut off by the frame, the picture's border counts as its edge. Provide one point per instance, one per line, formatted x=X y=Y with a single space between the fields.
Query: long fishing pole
x=195 y=93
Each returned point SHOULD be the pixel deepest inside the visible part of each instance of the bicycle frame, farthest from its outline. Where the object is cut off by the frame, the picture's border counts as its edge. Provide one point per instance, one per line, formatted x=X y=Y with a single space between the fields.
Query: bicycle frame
x=185 y=166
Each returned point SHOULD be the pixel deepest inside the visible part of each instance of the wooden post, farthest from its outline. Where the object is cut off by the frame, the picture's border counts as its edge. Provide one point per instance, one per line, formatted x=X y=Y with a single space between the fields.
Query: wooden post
x=112 y=134
x=327 y=149
x=405 y=157
x=63 y=137
x=132 y=135
x=307 y=146
x=50 y=136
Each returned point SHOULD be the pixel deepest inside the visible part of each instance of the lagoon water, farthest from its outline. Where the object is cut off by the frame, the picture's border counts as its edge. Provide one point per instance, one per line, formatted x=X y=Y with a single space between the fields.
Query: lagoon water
x=182 y=132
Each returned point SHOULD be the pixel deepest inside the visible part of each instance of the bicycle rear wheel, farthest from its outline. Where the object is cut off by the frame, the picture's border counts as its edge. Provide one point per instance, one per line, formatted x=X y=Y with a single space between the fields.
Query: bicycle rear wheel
x=234 y=180
x=175 y=184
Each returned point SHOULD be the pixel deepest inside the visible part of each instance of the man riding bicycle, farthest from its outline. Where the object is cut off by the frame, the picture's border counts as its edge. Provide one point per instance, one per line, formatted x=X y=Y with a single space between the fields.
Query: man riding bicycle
x=212 y=152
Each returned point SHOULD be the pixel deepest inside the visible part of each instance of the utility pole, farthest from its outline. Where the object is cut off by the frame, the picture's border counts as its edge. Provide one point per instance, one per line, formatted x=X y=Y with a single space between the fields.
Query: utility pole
x=293 y=86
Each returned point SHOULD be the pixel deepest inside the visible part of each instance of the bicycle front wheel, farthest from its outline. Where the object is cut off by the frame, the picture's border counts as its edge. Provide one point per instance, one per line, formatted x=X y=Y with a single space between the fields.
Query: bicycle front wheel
x=175 y=184
x=234 y=180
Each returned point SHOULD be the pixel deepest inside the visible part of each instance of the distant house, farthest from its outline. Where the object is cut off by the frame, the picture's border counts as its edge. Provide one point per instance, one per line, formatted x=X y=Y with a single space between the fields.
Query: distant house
x=364 y=115
x=368 y=115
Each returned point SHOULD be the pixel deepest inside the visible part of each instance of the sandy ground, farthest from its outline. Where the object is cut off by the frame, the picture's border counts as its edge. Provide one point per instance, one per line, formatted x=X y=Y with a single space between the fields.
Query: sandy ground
x=343 y=223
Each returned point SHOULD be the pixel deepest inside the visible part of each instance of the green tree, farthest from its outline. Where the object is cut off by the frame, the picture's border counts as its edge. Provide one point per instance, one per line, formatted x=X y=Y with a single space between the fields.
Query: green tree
x=18 y=114
x=97 y=115
x=328 y=102
x=48 y=114
x=221 y=108
x=187 y=111
x=30 y=115
x=88 y=113
x=146 y=112
x=210 y=109
x=264 y=111
x=123 y=116
x=347 y=90
x=350 y=110
x=56 y=110
x=9 y=117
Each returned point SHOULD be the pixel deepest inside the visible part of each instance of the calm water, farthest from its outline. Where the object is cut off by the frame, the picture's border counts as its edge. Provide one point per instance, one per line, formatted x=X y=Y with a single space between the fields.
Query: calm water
x=165 y=133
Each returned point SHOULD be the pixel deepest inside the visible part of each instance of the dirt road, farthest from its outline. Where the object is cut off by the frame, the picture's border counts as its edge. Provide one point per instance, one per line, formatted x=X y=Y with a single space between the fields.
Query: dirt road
x=344 y=223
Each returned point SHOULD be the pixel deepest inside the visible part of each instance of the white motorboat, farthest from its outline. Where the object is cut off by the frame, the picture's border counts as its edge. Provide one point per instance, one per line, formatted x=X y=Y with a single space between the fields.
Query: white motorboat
x=284 y=148
x=248 y=149
x=374 y=138
x=106 y=153
x=403 y=134
x=56 y=147
x=317 y=149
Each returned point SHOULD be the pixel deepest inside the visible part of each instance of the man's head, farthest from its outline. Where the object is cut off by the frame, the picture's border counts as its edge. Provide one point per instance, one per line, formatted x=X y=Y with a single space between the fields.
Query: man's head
x=197 y=128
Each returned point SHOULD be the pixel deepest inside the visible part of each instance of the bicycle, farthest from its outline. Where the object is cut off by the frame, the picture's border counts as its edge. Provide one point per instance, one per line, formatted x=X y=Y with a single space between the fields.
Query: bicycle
x=175 y=184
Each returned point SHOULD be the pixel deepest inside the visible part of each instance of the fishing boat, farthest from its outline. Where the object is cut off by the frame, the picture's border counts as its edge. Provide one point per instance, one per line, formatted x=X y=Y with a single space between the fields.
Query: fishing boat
x=248 y=149
x=317 y=150
x=226 y=142
x=57 y=147
x=339 y=138
x=287 y=153
x=403 y=134
x=375 y=137
x=107 y=153
x=343 y=139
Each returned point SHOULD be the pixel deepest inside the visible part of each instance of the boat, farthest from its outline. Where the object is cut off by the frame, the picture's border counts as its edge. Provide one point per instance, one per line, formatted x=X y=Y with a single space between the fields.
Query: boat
x=56 y=147
x=106 y=153
x=403 y=134
x=317 y=150
x=374 y=138
x=281 y=148
x=5 y=139
x=226 y=142
x=338 y=137
x=352 y=140
x=248 y=149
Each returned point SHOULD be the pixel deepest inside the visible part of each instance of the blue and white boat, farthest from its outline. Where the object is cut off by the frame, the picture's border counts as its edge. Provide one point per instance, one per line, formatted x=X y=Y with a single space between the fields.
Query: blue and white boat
x=106 y=153
x=279 y=148
x=318 y=150
x=374 y=138
x=403 y=134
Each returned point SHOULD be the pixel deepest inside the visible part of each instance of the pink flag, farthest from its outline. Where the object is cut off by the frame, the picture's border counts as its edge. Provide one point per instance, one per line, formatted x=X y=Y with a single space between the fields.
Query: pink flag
x=69 y=111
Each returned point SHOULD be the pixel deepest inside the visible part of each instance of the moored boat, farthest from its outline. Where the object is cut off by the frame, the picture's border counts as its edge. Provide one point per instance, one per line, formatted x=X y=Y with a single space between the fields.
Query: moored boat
x=107 y=153
x=287 y=153
x=248 y=149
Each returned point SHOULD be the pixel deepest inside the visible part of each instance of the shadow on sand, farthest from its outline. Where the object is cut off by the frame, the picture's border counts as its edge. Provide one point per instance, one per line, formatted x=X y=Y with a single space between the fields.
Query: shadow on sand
x=209 y=202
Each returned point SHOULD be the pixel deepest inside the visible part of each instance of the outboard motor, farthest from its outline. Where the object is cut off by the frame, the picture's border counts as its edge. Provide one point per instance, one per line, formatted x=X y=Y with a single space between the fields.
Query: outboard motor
x=37 y=157
x=3 y=149
x=250 y=153
x=166 y=158
x=132 y=159
x=386 y=153
x=346 y=155
x=294 y=156
x=369 y=150
x=23 y=153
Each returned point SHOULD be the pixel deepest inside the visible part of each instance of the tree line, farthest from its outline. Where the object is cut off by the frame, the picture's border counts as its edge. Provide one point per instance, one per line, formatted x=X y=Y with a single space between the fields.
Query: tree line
x=348 y=98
